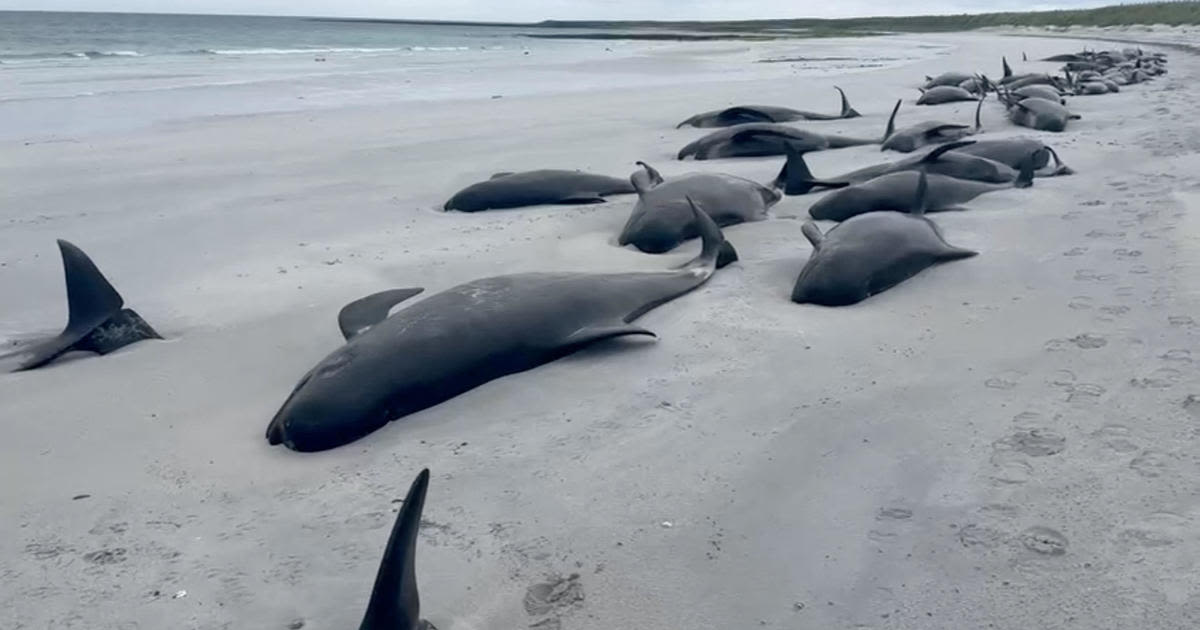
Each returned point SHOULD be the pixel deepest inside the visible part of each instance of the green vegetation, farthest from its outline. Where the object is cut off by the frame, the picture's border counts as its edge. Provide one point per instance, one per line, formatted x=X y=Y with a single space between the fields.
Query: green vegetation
x=1173 y=13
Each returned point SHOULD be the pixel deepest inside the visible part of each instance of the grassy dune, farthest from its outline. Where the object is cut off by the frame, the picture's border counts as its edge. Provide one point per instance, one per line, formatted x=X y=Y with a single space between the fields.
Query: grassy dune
x=1173 y=13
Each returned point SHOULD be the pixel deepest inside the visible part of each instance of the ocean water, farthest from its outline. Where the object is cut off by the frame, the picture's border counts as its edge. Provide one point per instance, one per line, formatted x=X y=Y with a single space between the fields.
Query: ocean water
x=31 y=37
x=66 y=75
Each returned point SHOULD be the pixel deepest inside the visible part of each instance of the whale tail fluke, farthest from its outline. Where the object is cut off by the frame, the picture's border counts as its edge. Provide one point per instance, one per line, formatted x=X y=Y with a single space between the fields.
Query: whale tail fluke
x=796 y=179
x=394 y=603
x=96 y=321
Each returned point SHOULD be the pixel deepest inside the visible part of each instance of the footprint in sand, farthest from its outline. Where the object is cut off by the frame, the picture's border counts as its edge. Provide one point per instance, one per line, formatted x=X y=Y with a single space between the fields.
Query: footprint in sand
x=972 y=535
x=1179 y=355
x=106 y=556
x=1181 y=320
x=1162 y=378
x=1080 y=303
x=1034 y=443
x=1150 y=464
x=554 y=596
x=1117 y=438
x=1044 y=541
x=1075 y=251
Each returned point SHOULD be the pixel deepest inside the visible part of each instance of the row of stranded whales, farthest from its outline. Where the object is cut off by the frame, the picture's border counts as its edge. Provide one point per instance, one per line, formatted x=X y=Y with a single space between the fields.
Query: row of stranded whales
x=742 y=114
x=465 y=336
x=449 y=343
x=662 y=217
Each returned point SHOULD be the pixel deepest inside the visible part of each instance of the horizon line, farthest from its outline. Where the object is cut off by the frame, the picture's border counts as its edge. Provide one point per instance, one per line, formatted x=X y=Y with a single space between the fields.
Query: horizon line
x=449 y=22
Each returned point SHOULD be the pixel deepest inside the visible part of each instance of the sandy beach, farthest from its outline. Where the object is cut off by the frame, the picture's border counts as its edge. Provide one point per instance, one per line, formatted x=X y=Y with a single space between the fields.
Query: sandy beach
x=1004 y=442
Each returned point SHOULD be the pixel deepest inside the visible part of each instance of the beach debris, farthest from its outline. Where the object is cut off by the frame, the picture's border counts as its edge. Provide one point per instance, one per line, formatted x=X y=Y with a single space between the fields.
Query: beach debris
x=179 y=595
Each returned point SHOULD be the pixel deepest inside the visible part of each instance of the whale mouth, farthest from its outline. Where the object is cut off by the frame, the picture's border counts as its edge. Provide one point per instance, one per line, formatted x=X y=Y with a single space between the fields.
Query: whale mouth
x=275 y=432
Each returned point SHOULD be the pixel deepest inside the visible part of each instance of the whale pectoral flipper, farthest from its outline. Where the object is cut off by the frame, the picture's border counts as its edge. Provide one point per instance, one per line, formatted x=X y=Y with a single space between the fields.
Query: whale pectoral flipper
x=592 y=334
x=395 y=604
x=363 y=313
x=936 y=131
x=581 y=198
x=744 y=115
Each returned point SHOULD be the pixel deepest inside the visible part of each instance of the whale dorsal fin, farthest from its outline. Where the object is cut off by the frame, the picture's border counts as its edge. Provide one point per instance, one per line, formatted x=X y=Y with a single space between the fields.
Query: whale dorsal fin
x=813 y=234
x=394 y=603
x=1007 y=70
x=921 y=203
x=501 y=174
x=847 y=111
x=91 y=299
x=91 y=303
x=978 y=112
x=891 y=125
x=645 y=179
x=363 y=313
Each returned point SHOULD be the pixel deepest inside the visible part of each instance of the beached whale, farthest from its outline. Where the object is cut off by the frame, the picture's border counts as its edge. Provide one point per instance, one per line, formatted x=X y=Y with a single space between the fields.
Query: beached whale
x=662 y=217
x=764 y=113
x=795 y=178
x=96 y=320
x=764 y=139
x=871 y=253
x=468 y=335
x=898 y=192
x=945 y=94
x=1013 y=152
x=1040 y=91
x=947 y=78
x=532 y=188
x=928 y=132
x=1039 y=113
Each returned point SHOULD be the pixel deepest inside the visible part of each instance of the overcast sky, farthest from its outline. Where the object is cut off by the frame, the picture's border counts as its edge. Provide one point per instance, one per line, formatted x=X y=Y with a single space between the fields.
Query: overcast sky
x=534 y=10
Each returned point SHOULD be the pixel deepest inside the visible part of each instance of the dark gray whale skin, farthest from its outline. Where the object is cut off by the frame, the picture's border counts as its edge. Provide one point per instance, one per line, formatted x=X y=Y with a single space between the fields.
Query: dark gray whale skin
x=764 y=113
x=394 y=603
x=662 y=219
x=764 y=139
x=533 y=188
x=796 y=179
x=897 y=192
x=870 y=253
x=468 y=335
x=96 y=321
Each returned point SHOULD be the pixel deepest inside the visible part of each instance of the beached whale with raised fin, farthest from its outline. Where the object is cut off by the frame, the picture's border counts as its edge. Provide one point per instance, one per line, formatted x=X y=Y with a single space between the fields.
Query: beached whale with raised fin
x=871 y=253
x=96 y=322
x=662 y=217
x=742 y=114
x=765 y=139
x=927 y=132
x=898 y=192
x=456 y=340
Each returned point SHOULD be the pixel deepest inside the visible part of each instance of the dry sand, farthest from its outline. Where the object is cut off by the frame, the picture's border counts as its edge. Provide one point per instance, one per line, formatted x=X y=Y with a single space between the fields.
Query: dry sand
x=1003 y=442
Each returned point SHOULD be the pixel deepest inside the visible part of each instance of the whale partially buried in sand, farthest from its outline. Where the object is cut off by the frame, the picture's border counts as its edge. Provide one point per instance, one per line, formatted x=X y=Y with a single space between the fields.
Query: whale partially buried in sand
x=466 y=336
x=96 y=320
